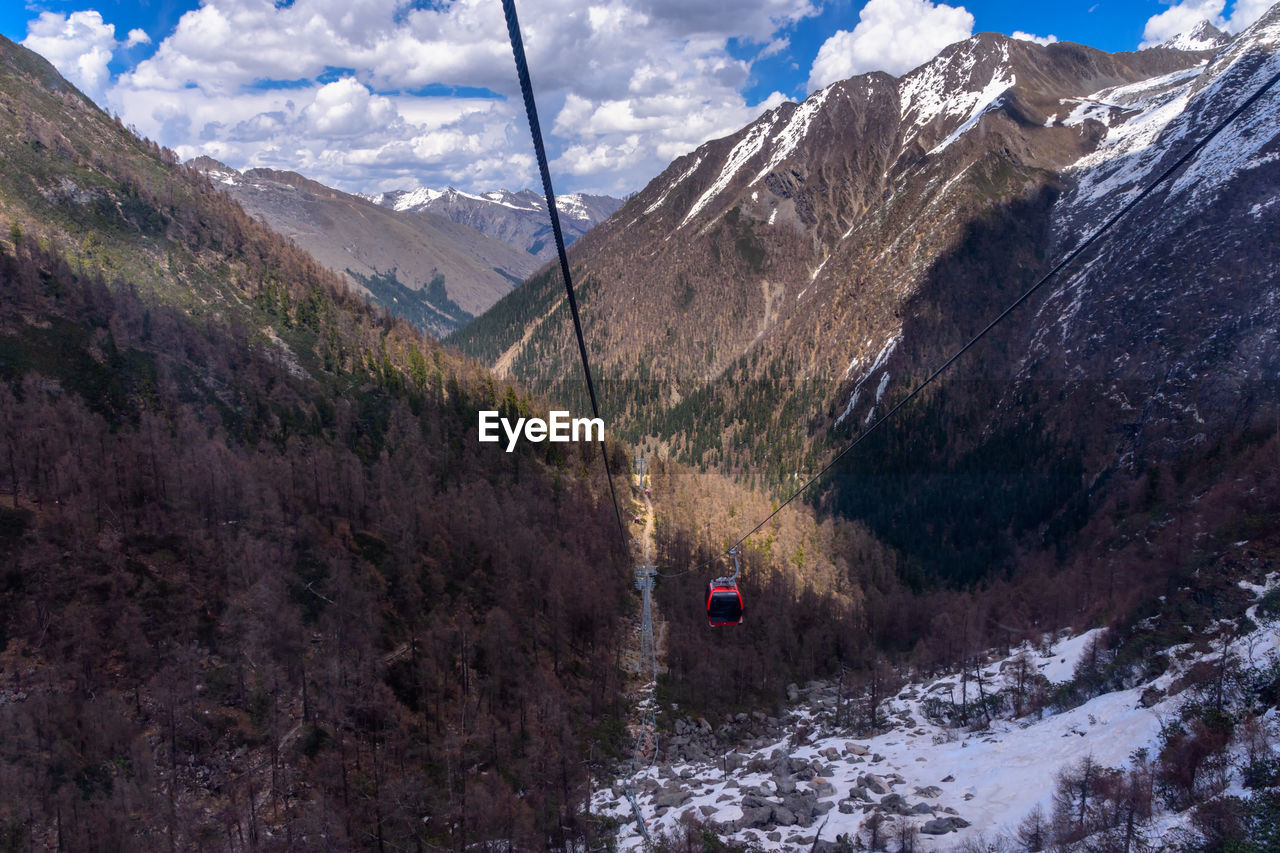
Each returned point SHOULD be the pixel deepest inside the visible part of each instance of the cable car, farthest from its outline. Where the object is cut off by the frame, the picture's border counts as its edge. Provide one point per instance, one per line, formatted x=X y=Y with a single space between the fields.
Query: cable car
x=724 y=601
x=724 y=604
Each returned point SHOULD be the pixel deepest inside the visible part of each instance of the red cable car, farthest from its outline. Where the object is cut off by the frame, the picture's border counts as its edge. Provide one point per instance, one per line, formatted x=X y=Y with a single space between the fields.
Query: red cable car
x=724 y=602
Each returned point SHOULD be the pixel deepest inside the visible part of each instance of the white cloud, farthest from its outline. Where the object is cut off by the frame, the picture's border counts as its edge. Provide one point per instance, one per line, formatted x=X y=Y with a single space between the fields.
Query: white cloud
x=1042 y=40
x=1182 y=18
x=891 y=35
x=1245 y=12
x=623 y=85
x=79 y=45
x=347 y=108
x=137 y=37
x=1185 y=16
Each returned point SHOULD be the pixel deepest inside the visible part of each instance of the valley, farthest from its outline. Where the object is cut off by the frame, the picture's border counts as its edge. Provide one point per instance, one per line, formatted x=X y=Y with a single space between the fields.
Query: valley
x=267 y=586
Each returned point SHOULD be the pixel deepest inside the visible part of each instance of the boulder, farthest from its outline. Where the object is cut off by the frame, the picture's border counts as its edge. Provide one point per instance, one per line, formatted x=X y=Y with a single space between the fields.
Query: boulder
x=895 y=804
x=855 y=749
x=821 y=787
x=783 y=816
x=874 y=784
x=755 y=817
x=931 y=792
x=943 y=825
x=671 y=799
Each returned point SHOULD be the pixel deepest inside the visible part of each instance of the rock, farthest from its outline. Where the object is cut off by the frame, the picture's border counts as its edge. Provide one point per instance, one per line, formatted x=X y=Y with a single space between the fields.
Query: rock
x=921 y=808
x=931 y=792
x=672 y=799
x=751 y=801
x=846 y=807
x=687 y=773
x=774 y=836
x=756 y=817
x=877 y=758
x=949 y=779
x=1151 y=696
x=732 y=783
x=830 y=753
x=784 y=785
x=800 y=805
x=733 y=761
x=855 y=749
x=724 y=798
x=708 y=811
x=875 y=784
x=821 y=787
x=943 y=825
x=894 y=803
x=783 y=816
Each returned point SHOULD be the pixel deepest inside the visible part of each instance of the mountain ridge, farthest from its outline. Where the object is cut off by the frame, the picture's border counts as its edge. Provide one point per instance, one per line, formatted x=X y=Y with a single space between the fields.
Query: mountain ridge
x=426 y=268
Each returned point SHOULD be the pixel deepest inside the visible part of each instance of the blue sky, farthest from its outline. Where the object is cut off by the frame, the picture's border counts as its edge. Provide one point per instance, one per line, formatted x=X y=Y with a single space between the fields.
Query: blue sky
x=371 y=95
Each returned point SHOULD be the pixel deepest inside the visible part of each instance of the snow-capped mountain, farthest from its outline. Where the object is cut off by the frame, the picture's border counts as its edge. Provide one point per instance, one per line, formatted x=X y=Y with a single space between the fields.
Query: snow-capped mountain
x=519 y=219
x=430 y=270
x=1204 y=36
x=779 y=288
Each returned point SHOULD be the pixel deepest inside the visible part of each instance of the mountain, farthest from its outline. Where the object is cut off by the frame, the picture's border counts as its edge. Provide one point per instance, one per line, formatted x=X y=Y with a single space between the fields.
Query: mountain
x=260 y=586
x=519 y=219
x=1204 y=36
x=425 y=268
x=773 y=292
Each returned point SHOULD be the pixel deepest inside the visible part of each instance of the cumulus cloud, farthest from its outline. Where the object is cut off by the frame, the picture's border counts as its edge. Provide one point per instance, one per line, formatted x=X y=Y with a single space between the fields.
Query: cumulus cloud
x=79 y=45
x=1182 y=18
x=347 y=108
x=136 y=37
x=624 y=85
x=891 y=35
x=1185 y=16
x=1245 y=13
x=1043 y=40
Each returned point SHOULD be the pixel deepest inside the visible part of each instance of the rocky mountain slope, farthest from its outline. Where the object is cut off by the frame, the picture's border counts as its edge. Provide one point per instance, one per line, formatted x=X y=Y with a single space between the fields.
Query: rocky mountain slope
x=519 y=219
x=426 y=268
x=771 y=293
x=990 y=757
x=261 y=588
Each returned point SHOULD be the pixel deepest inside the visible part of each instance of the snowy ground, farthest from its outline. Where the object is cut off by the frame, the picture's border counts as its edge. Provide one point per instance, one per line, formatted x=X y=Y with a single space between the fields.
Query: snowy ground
x=990 y=779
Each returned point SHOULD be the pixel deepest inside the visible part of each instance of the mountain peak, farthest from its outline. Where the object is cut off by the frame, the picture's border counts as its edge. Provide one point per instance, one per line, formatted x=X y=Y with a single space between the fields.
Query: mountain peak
x=1204 y=36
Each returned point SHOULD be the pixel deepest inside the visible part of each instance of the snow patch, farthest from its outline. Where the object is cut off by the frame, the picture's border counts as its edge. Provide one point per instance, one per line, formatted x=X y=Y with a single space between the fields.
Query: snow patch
x=746 y=148
x=797 y=126
x=651 y=208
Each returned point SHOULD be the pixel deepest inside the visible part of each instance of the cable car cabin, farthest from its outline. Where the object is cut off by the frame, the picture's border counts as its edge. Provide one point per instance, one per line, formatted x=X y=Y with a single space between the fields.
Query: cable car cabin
x=724 y=605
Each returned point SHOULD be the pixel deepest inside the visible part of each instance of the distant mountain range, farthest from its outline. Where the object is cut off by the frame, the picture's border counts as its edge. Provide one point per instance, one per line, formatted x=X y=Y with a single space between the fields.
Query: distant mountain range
x=421 y=266
x=519 y=219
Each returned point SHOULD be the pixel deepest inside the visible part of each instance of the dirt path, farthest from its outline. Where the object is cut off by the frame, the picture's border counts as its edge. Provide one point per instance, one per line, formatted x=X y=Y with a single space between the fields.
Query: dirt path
x=502 y=367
